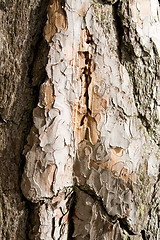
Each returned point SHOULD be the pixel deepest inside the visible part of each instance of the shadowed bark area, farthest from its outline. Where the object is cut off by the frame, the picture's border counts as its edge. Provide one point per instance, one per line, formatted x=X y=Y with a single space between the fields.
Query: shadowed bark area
x=23 y=54
x=79 y=119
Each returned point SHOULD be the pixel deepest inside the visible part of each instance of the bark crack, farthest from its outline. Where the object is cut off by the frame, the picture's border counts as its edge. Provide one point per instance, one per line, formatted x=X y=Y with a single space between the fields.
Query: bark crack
x=124 y=224
x=143 y=235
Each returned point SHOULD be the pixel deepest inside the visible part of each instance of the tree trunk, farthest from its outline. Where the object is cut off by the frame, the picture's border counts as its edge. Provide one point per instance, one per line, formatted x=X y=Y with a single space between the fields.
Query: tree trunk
x=80 y=120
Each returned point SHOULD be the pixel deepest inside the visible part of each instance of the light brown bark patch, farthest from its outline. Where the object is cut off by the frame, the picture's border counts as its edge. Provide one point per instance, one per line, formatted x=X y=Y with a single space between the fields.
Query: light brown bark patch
x=57 y=18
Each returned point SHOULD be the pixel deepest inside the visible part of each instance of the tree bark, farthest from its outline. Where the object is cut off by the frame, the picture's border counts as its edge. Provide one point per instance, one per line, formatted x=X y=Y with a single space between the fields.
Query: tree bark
x=80 y=119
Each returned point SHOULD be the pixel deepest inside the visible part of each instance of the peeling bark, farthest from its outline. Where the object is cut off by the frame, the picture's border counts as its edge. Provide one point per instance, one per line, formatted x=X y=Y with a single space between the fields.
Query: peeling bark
x=86 y=164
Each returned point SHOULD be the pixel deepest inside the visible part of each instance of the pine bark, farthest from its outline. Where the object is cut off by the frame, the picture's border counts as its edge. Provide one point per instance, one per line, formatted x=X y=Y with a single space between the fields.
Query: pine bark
x=80 y=119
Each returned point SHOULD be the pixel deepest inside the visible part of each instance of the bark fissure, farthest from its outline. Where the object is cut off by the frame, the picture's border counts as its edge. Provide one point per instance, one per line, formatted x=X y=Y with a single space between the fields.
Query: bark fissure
x=143 y=235
x=70 y=217
x=119 y=29
x=124 y=224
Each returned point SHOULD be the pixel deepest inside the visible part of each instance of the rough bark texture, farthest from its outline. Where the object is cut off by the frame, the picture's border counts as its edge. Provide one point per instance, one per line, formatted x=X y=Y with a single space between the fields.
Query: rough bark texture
x=80 y=119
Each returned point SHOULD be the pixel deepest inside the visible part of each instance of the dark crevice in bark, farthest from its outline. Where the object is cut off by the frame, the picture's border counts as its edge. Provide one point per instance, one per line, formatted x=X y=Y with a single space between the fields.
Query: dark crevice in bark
x=87 y=73
x=36 y=51
x=86 y=77
x=145 y=121
x=33 y=220
x=2 y=121
x=143 y=235
x=110 y=2
x=53 y=227
x=71 y=208
x=119 y=29
x=124 y=224
x=36 y=68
